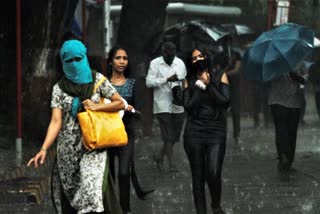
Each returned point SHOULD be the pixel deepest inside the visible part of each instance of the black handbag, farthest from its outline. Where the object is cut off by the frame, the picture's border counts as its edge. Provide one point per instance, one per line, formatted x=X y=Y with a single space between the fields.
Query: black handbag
x=177 y=97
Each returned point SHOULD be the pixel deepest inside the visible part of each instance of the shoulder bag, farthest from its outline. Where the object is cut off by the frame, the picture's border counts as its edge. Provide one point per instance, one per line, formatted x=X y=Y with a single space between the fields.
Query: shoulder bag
x=101 y=129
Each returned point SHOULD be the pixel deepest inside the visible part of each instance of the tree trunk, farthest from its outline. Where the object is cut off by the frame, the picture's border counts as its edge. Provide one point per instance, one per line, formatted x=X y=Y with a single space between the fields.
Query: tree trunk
x=43 y=25
x=141 y=23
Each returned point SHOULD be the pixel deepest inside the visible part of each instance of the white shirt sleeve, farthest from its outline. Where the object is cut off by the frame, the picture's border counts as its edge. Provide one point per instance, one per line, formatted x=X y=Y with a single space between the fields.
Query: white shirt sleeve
x=182 y=72
x=152 y=79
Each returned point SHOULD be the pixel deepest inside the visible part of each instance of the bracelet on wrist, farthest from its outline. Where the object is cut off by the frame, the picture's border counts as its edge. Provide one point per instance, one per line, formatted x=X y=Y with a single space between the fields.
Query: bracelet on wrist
x=43 y=149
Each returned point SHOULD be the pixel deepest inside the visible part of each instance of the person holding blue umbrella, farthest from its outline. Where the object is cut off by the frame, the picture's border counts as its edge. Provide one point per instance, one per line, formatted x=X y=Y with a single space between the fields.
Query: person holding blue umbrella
x=275 y=57
x=286 y=101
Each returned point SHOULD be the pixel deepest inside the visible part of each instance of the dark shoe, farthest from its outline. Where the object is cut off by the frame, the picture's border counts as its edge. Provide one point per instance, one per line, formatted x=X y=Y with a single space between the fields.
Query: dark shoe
x=217 y=210
x=284 y=163
x=142 y=195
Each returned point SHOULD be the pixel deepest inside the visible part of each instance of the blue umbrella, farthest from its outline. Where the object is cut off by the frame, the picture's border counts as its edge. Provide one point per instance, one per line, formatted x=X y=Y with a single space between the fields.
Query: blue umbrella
x=277 y=52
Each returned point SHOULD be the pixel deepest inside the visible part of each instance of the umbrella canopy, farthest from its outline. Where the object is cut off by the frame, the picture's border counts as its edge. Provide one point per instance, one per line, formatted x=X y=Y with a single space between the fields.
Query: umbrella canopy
x=215 y=32
x=278 y=51
x=187 y=35
x=238 y=29
x=197 y=29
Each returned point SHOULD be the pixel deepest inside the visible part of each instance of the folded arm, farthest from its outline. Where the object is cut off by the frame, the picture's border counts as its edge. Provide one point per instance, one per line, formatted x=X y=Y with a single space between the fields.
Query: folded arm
x=115 y=105
x=152 y=79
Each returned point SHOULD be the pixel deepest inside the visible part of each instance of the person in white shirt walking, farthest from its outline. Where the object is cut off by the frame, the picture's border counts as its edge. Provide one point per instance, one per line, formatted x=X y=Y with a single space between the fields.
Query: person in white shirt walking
x=166 y=72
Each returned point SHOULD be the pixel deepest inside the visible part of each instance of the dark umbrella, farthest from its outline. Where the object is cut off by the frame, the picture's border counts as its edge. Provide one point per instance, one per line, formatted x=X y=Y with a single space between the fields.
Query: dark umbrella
x=277 y=52
x=198 y=30
x=187 y=35
x=238 y=29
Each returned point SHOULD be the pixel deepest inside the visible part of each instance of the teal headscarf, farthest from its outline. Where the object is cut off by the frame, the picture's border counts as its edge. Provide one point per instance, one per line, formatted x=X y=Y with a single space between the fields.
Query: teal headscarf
x=79 y=79
x=77 y=72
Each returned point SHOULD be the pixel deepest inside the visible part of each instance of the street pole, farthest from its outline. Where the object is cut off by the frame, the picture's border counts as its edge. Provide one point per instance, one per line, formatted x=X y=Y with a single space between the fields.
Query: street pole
x=270 y=13
x=107 y=26
x=84 y=22
x=19 y=85
x=289 y=8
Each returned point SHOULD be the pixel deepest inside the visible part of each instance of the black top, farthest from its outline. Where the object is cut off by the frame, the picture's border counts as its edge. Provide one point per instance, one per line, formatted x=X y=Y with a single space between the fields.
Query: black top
x=206 y=108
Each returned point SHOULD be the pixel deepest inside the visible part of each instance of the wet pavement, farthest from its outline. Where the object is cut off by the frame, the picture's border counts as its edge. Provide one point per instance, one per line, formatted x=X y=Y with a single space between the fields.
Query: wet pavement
x=251 y=181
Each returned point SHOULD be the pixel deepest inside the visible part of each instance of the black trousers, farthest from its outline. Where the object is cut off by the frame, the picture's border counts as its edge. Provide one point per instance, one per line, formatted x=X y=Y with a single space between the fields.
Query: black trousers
x=235 y=104
x=260 y=93
x=206 y=166
x=125 y=155
x=317 y=101
x=304 y=105
x=286 y=121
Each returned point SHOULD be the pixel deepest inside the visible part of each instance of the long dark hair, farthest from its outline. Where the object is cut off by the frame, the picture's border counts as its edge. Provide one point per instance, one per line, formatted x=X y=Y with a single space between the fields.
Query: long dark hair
x=111 y=55
x=191 y=73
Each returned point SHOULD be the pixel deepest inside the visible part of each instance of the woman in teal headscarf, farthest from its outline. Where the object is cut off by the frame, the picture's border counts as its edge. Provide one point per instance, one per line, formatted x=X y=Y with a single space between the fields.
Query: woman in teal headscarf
x=80 y=181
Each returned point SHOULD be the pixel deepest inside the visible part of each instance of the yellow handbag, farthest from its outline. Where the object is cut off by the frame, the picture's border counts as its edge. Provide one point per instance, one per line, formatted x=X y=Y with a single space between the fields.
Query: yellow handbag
x=102 y=129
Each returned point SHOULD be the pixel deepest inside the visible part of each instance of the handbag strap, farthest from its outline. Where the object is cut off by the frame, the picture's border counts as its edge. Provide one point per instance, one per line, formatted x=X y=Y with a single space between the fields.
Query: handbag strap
x=103 y=78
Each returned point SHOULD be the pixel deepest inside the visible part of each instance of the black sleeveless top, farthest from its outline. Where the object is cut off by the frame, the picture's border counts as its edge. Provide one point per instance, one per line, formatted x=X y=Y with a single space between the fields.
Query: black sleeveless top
x=206 y=109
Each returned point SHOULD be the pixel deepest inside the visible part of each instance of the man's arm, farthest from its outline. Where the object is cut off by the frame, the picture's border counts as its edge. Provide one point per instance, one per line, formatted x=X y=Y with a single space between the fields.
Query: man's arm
x=152 y=79
x=235 y=70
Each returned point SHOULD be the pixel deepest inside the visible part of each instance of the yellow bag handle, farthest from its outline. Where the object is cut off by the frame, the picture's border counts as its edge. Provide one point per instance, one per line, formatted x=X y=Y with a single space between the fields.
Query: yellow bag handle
x=103 y=78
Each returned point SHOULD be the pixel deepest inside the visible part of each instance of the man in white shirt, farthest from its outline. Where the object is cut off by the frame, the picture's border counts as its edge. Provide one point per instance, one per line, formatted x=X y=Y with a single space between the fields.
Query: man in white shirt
x=166 y=72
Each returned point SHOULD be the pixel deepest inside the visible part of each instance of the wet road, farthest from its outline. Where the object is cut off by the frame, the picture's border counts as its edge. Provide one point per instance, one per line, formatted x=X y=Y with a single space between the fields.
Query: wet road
x=251 y=182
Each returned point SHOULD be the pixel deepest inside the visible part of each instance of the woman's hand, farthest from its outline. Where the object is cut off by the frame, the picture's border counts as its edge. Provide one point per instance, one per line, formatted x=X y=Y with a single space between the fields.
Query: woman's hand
x=204 y=77
x=89 y=104
x=185 y=83
x=201 y=85
x=297 y=77
x=40 y=156
x=130 y=108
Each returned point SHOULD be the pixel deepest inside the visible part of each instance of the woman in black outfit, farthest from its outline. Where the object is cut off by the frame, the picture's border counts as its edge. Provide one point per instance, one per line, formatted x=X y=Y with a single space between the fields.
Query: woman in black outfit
x=206 y=98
